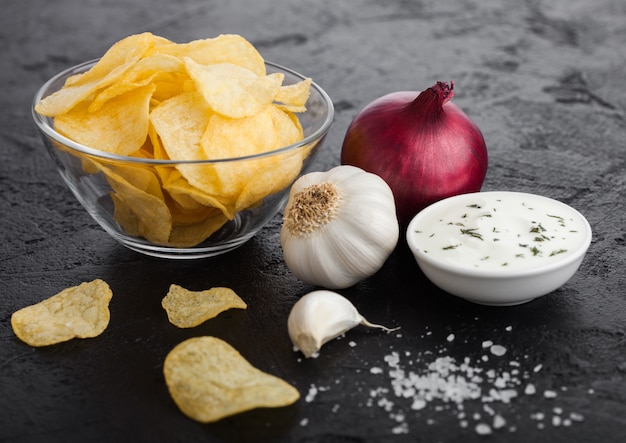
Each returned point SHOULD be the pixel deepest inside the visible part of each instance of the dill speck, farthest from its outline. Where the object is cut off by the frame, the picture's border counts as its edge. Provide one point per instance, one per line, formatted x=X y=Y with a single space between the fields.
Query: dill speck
x=537 y=229
x=535 y=251
x=446 y=248
x=559 y=251
x=472 y=233
x=476 y=206
x=559 y=218
x=505 y=264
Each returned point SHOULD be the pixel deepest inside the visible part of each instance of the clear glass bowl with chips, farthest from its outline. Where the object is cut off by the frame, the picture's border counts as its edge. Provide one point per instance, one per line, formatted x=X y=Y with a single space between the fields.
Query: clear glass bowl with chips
x=185 y=209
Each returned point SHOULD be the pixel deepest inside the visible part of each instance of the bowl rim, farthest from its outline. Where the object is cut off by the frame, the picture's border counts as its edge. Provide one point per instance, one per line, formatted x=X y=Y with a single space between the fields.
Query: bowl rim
x=455 y=269
x=44 y=125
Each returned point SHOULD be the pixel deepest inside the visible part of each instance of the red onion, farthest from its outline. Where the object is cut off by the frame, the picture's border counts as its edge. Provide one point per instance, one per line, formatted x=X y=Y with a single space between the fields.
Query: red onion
x=424 y=146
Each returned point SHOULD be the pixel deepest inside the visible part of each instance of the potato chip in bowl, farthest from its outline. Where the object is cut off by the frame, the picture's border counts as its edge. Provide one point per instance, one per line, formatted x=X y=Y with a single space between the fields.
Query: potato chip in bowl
x=182 y=150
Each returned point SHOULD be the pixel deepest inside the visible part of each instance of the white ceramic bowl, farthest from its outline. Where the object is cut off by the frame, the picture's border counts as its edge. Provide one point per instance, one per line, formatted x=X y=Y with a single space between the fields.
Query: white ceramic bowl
x=499 y=248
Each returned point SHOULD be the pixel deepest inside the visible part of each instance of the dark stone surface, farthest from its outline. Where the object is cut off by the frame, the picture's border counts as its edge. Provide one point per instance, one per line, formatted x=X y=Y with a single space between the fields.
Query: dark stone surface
x=544 y=81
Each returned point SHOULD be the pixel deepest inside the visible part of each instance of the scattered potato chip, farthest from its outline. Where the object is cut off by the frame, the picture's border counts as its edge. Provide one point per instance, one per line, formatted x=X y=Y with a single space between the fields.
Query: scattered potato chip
x=78 y=312
x=209 y=380
x=209 y=99
x=187 y=309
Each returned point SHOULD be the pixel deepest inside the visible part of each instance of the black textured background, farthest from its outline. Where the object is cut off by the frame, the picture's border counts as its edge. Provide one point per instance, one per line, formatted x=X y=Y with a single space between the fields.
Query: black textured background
x=544 y=80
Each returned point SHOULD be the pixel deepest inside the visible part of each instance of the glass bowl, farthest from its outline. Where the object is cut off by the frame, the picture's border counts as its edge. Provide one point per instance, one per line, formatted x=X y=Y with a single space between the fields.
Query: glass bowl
x=149 y=207
x=499 y=248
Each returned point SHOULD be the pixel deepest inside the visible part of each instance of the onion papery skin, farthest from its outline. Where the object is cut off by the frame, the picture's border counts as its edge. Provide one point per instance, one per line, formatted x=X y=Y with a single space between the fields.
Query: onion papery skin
x=424 y=146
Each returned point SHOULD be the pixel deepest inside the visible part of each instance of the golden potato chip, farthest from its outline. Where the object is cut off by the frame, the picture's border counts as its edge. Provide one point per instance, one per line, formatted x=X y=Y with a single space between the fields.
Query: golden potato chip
x=266 y=131
x=187 y=309
x=226 y=48
x=77 y=312
x=117 y=60
x=119 y=127
x=189 y=235
x=209 y=380
x=296 y=94
x=139 y=202
x=157 y=69
x=180 y=123
x=233 y=91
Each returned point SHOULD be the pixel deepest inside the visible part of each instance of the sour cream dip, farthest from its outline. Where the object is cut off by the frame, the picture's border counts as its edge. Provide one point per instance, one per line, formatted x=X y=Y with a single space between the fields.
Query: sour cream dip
x=499 y=231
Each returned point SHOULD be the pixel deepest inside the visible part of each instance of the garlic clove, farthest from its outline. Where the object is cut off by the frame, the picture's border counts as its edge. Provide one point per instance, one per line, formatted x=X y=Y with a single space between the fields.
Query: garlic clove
x=321 y=316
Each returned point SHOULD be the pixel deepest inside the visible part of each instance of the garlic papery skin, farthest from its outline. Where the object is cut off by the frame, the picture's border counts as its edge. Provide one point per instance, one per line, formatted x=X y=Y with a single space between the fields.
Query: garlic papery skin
x=339 y=226
x=321 y=316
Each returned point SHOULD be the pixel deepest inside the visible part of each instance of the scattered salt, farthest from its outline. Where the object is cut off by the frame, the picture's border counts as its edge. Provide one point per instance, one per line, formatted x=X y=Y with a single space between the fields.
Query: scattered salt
x=352 y=344
x=436 y=379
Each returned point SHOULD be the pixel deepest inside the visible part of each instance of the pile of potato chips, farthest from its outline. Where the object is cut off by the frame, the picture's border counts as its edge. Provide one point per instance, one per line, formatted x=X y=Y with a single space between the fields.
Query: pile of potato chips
x=211 y=99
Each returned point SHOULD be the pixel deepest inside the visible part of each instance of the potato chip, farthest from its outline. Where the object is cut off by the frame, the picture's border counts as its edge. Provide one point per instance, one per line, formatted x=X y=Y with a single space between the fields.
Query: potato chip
x=117 y=60
x=187 y=309
x=77 y=312
x=180 y=123
x=208 y=380
x=233 y=91
x=139 y=202
x=120 y=127
x=226 y=48
x=189 y=235
x=157 y=69
x=266 y=131
x=295 y=95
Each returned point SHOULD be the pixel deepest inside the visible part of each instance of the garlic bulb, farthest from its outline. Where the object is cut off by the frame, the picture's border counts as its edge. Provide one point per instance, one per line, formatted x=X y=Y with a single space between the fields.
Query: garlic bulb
x=339 y=226
x=321 y=316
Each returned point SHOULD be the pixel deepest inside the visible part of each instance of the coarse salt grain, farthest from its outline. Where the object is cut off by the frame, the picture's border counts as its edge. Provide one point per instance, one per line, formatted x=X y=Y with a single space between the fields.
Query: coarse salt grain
x=483 y=429
x=498 y=350
x=549 y=393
